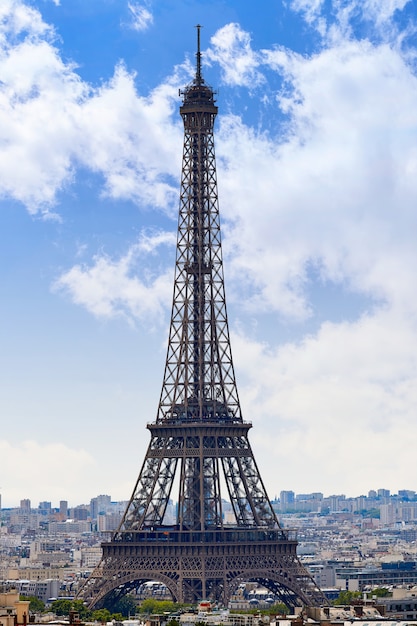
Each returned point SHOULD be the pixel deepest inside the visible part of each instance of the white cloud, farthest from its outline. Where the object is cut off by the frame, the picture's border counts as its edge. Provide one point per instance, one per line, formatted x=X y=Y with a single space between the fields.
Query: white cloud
x=378 y=10
x=111 y=288
x=312 y=9
x=132 y=141
x=52 y=123
x=18 y=19
x=335 y=20
x=38 y=98
x=231 y=49
x=338 y=193
x=48 y=471
x=341 y=401
x=142 y=18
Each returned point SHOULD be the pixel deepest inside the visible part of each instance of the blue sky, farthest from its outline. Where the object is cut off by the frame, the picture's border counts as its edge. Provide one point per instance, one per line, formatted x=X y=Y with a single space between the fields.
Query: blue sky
x=316 y=146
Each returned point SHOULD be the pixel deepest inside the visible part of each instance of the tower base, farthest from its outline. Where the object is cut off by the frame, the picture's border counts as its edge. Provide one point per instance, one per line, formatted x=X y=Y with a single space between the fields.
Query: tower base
x=196 y=565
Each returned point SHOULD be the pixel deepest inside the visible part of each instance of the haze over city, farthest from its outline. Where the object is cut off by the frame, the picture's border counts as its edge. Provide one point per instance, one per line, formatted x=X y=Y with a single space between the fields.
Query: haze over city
x=316 y=145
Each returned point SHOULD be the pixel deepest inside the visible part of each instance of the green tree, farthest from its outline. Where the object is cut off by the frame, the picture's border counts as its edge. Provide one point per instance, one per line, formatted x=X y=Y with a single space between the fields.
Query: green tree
x=126 y=606
x=150 y=605
x=346 y=597
x=380 y=592
x=117 y=617
x=79 y=607
x=64 y=606
x=36 y=604
x=101 y=615
x=279 y=608
x=61 y=607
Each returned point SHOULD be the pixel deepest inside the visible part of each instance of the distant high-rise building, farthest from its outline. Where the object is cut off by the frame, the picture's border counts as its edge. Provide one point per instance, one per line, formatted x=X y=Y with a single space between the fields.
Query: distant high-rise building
x=336 y=502
x=79 y=513
x=63 y=508
x=45 y=508
x=406 y=494
x=388 y=514
x=98 y=505
x=25 y=505
x=384 y=493
x=287 y=500
x=361 y=503
x=309 y=502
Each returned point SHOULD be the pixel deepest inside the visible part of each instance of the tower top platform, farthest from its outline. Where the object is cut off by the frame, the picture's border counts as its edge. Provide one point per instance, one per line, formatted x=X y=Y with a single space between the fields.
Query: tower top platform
x=198 y=94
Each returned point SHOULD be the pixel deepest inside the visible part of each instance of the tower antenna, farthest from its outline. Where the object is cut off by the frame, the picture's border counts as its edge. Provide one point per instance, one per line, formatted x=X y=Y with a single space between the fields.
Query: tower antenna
x=199 y=78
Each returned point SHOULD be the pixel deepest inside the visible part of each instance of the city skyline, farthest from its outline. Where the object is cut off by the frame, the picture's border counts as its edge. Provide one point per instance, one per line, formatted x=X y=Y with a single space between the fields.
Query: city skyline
x=381 y=493
x=316 y=145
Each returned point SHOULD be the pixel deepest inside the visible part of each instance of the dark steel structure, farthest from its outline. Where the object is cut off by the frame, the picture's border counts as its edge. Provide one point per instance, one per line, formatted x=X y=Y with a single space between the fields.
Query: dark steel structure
x=199 y=454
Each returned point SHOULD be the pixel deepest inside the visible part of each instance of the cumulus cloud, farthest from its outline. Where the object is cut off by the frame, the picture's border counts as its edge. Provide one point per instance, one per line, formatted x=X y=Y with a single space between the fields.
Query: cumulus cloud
x=231 y=49
x=132 y=141
x=53 y=123
x=338 y=399
x=111 y=288
x=336 y=192
x=17 y=21
x=38 y=97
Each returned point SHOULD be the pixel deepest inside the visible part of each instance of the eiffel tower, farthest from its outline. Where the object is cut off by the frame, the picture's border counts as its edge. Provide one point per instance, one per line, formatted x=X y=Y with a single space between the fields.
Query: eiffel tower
x=199 y=453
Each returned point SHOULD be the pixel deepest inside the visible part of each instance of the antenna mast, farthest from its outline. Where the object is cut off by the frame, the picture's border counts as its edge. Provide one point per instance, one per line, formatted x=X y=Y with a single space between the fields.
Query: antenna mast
x=198 y=76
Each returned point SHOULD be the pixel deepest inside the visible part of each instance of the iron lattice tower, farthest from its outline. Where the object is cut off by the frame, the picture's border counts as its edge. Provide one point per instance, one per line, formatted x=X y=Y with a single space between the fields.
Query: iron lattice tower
x=199 y=453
